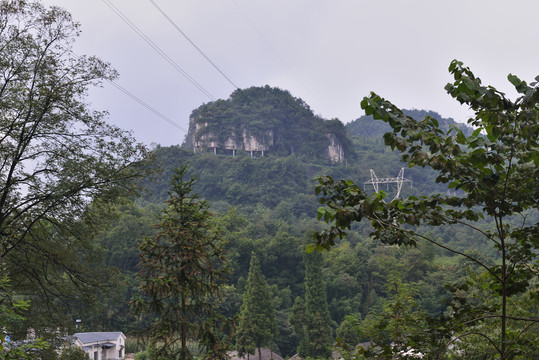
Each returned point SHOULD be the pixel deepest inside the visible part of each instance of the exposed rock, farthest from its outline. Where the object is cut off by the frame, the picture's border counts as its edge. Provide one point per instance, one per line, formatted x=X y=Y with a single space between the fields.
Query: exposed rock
x=335 y=151
x=264 y=119
x=248 y=142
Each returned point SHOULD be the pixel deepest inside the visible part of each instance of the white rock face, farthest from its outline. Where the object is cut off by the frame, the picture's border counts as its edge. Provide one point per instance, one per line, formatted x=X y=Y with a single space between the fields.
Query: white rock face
x=230 y=143
x=250 y=143
x=204 y=140
x=335 y=151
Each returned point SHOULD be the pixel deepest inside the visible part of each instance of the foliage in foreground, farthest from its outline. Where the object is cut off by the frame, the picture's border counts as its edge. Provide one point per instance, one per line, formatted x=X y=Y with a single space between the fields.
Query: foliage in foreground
x=496 y=169
x=61 y=165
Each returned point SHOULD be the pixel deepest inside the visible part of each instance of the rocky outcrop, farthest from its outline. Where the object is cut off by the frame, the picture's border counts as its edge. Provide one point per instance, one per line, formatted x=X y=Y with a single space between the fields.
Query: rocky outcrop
x=262 y=120
x=208 y=141
x=251 y=143
x=247 y=142
x=335 y=150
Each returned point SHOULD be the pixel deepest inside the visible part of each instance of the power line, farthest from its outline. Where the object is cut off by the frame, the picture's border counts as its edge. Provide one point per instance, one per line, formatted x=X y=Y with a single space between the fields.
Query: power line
x=285 y=64
x=152 y=109
x=249 y=99
x=141 y=102
x=157 y=49
x=192 y=43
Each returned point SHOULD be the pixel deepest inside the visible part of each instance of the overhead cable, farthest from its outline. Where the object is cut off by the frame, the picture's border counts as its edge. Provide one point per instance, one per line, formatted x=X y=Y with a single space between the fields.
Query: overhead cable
x=192 y=43
x=156 y=112
x=255 y=28
x=141 y=102
x=158 y=49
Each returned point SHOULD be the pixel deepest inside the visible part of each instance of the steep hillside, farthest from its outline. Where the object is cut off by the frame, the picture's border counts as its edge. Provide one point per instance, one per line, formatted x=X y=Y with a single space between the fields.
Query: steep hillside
x=265 y=120
x=267 y=205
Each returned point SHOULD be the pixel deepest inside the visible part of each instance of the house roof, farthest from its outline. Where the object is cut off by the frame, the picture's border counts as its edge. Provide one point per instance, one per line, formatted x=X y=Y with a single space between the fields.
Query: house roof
x=265 y=352
x=92 y=337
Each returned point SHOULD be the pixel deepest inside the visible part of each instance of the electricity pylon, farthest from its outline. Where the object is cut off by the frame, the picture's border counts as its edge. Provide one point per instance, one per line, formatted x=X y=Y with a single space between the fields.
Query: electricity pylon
x=399 y=180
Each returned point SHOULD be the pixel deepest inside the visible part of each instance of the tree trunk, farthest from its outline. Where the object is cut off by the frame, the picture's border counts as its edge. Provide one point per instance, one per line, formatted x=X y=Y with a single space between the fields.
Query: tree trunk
x=504 y=295
x=184 y=332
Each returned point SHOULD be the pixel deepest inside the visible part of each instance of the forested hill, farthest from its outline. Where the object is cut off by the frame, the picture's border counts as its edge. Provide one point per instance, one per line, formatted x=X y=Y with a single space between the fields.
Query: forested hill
x=267 y=205
x=266 y=120
x=228 y=222
x=282 y=175
x=366 y=126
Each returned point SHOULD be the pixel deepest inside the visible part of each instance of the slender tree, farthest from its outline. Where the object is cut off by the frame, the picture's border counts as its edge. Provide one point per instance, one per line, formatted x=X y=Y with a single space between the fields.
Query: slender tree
x=257 y=326
x=319 y=332
x=300 y=322
x=182 y=272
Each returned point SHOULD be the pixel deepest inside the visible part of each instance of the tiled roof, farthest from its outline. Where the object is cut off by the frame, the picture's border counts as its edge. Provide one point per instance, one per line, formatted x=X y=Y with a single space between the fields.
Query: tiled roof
x=91 y=337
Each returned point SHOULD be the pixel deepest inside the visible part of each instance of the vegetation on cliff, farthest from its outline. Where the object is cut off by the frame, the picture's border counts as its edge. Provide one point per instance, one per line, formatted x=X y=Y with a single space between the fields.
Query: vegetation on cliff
x=273 y=118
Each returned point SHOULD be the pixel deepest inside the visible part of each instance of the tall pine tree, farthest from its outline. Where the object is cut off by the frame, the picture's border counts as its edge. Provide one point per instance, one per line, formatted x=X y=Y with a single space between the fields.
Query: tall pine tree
x=311 y=318
x=182 y=272
x=257 y=326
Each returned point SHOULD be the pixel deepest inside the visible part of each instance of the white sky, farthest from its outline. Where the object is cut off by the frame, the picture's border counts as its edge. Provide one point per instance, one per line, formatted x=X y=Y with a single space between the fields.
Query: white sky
x=330 y=53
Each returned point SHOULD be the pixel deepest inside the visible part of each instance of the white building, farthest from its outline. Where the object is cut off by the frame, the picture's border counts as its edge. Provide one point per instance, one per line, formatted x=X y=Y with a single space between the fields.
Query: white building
x=102 y=345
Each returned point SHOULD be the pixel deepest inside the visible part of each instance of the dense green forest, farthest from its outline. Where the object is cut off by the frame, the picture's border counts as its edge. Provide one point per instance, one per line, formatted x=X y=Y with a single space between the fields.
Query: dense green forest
x=267 y=206
x=197 y=253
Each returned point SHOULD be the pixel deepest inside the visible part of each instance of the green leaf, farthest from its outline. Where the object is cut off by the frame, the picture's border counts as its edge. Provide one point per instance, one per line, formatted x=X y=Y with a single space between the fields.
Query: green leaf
x=330 y=214
x=461 y=139
x=321 y=212
x=453 y=184
x=514 y=80
x=364 y=103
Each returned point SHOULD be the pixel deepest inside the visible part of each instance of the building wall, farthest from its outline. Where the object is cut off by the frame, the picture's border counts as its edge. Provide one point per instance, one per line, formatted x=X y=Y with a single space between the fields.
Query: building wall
x=112 y=353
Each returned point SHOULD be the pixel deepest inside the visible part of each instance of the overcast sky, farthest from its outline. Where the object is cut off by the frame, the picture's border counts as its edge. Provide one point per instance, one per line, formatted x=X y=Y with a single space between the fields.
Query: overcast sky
x=330 y=53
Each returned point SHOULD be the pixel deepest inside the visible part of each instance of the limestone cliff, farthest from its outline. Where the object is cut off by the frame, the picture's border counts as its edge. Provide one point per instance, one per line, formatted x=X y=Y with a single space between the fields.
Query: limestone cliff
x=262 y=121
x=335 y=150
x=210 y=141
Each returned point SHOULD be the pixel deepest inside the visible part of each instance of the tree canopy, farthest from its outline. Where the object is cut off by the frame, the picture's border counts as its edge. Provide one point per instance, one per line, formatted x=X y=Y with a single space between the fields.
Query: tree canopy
x=57 y=155
x=257 y=327
x=61 y=163
x=495 y=171
x=182 y=272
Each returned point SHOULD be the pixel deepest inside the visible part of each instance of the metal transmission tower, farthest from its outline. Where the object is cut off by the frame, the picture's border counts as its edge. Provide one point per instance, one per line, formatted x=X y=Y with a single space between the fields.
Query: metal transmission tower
x=399 y=180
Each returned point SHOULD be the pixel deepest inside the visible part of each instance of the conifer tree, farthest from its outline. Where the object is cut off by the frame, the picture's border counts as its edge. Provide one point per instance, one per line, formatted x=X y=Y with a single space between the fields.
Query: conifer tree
x=257 y=326
x=182 y=273
x=310 y=317
x=319 y=333
x=299 y=320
